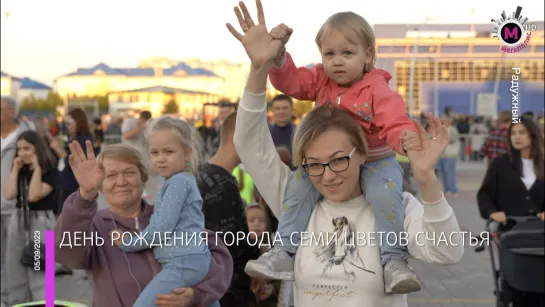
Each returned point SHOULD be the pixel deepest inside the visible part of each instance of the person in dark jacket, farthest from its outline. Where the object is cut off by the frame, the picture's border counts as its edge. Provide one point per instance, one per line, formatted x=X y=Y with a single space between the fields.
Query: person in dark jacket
x=223 y=210
x=513 y=186
x=78 y=130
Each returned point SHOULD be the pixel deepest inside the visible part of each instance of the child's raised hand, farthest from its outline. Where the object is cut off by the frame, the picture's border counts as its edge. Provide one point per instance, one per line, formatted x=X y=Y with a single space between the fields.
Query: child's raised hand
x=411 y=141
x=282 y=32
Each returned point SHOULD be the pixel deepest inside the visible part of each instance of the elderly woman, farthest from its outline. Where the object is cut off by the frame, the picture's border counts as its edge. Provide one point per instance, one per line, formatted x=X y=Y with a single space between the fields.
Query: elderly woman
x=330 y=146
x=118 y=277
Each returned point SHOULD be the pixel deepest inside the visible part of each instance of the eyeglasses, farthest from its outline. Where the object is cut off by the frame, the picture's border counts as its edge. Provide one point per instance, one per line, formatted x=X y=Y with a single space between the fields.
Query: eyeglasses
x=337 y=165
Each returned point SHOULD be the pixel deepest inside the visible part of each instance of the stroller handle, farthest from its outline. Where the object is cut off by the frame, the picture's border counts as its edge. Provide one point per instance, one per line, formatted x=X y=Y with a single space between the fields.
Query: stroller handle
x=517 y=219
x=490 y=221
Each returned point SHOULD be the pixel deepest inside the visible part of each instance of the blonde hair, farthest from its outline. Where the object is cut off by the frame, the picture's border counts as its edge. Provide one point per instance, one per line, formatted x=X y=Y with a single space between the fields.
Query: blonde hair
x=350 y=22
x=185 y=134
x=320 y=120
x=126 y=153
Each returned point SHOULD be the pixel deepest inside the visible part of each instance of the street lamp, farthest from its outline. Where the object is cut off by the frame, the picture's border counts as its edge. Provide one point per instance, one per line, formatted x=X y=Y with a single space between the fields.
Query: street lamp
x=413 y=62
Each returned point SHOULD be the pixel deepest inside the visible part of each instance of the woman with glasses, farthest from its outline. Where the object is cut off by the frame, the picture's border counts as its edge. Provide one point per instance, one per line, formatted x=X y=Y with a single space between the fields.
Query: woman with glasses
x=329 y=148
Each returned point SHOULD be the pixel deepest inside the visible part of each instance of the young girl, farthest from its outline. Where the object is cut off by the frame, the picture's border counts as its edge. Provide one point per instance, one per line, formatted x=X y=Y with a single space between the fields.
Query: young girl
x=177 y=221
x=347 y=79
x=35 y=175
x=259 y=223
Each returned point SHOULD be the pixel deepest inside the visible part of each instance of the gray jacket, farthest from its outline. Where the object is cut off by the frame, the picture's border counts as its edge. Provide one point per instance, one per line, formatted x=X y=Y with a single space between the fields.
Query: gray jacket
x=8 y=153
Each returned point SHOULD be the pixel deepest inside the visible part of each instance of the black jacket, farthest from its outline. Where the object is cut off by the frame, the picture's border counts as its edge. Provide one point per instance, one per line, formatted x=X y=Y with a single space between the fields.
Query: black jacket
x=503 y=190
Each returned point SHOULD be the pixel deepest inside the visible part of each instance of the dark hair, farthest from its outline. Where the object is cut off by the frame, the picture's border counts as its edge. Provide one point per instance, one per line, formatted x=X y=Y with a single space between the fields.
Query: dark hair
x=145 y=115
x=225 y=104
x=97 y=121
x=82 y=123
x=282 y=97
x=45 y=158
x=536 y=142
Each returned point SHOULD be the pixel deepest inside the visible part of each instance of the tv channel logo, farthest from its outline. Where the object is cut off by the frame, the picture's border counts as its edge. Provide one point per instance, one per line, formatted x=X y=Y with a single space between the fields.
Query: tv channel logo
x=514 y=32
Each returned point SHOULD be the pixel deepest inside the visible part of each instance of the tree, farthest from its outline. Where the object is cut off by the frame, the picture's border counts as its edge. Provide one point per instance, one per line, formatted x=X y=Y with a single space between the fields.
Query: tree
x=302 y=107
x=171 y=107
x=31 y=103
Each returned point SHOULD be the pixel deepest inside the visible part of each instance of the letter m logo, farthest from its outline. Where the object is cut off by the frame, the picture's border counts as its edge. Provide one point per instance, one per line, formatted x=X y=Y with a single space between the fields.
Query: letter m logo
x=510 y=33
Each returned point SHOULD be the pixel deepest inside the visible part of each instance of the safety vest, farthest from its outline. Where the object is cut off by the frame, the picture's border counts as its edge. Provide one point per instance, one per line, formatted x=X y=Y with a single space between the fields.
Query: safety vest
x=401 y=158
x=245 y=183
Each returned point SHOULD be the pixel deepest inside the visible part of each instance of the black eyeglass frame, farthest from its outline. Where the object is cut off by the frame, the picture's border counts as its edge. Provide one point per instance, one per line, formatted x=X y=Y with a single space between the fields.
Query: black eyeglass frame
x=347 y=157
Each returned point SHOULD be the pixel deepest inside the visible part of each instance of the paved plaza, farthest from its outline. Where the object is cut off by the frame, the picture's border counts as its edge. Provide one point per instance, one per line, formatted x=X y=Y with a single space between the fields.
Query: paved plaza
x=468 y=283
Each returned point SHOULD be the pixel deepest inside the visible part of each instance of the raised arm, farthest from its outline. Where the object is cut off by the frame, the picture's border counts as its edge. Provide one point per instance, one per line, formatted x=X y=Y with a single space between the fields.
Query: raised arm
x=434 y=233
x=253 y=140
x=255 y=146
x=73 y=224
x=79 y=208
x=298 y=82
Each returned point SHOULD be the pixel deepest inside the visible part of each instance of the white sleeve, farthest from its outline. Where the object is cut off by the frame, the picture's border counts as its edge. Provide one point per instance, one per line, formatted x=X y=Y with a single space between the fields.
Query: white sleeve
x=257 y=152
x=128 y=125
x=433 y=231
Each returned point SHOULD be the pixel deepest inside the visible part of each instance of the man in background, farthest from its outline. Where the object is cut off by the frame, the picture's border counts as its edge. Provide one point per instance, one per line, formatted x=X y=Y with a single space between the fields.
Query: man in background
x=133 y=133
x=497 y=142
x=283 y=129
x=11 y=128
x=223 y=210
x=210 y=135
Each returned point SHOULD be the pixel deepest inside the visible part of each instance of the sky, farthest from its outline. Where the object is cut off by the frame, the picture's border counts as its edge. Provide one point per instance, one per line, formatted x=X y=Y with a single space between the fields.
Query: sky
x=46 y=39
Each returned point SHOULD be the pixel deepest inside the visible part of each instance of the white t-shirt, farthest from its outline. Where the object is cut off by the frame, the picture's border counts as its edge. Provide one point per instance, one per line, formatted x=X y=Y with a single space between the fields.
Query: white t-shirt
x=528 y=173
x=347 y=284
x=10 y=138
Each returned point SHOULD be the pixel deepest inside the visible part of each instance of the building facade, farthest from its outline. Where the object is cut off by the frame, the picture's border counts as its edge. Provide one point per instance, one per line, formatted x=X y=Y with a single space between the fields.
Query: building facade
x=190 y=104
x=10 y=85
x=23 y=88
x=455 y=64
x=234 y=74
x=101 y=79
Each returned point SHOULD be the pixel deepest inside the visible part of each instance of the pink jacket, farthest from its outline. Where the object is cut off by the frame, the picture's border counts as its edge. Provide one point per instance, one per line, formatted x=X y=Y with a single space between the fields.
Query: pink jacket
x=379 y=110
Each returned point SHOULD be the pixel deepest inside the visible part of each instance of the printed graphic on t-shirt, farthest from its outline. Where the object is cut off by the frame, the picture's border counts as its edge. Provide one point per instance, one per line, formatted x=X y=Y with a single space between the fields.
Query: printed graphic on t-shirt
x=341 y=250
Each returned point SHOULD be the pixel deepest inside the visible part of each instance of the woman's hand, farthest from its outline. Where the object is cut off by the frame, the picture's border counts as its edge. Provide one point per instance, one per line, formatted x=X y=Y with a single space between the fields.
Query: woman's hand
x=423 y=162
x=88 y=171
x=18 y=164
x=34 y=163
x=260 y=46
x=180 y=297
x=499 y=217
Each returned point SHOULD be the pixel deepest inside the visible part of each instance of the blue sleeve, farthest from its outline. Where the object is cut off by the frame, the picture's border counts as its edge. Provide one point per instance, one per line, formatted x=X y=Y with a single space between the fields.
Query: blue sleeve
x=165 y=218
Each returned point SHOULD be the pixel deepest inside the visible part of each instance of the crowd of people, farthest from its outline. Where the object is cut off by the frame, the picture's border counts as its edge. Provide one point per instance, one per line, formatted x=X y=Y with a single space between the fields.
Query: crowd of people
x=347 y=167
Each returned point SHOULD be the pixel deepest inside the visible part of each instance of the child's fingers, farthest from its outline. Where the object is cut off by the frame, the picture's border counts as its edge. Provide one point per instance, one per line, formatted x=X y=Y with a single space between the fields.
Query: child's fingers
x=414 y=148
x=412 y=142
x=277 y=33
